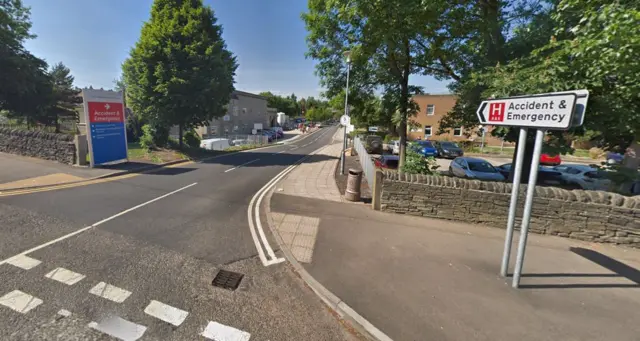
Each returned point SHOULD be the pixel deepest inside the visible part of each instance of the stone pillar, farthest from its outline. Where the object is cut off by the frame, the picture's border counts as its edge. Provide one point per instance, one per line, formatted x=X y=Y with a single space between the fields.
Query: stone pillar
x=376 y=190
x=82 y=149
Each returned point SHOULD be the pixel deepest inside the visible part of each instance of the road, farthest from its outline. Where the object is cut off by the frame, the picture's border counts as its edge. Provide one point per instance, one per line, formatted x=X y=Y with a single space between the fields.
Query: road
x=134 y=258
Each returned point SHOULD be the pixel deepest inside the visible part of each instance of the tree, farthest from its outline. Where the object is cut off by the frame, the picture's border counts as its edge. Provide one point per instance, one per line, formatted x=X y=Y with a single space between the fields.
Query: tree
x=383 y=40
x=25 y=89
x=65 y=96
x=280 y=103
x=180 y=72
x=595 y=46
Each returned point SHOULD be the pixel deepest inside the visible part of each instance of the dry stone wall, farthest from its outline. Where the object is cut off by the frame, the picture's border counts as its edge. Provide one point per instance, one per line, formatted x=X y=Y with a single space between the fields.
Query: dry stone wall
x=586 y=215
x=49 y=146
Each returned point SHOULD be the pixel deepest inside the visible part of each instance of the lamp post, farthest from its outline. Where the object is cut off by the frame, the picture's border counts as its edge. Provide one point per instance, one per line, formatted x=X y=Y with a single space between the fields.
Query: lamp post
x=347 y=55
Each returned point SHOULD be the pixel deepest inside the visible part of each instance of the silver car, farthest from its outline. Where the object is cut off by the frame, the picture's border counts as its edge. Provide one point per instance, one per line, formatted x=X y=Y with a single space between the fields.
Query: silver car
x=474 y=168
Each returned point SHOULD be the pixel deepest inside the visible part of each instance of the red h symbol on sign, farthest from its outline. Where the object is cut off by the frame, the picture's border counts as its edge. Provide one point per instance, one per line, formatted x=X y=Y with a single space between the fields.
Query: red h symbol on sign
x=496 y=111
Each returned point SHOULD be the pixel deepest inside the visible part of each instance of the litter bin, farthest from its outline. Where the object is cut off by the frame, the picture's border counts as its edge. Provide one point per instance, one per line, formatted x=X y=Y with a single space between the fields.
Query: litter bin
x=353 y=185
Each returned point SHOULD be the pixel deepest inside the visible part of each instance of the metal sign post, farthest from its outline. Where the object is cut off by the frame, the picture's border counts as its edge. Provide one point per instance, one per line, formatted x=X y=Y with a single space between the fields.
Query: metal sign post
x=559 y=111
x=515 y=189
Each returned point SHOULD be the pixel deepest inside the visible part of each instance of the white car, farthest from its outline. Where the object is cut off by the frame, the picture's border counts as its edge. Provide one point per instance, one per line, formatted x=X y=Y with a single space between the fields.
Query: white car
x=215 y=144
x=583 y=177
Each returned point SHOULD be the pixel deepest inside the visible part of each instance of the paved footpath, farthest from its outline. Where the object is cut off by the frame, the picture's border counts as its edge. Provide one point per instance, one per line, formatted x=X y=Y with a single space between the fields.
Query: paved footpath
x=427 y=279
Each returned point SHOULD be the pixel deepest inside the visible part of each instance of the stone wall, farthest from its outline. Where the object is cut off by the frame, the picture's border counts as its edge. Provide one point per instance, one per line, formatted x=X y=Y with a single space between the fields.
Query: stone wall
x=586 y=215
x=43 y=145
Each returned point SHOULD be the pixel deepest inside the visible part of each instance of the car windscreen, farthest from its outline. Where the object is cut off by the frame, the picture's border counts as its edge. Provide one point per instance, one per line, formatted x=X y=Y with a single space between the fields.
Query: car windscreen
x=448 y=145
x=481 y=166
x=425 y=144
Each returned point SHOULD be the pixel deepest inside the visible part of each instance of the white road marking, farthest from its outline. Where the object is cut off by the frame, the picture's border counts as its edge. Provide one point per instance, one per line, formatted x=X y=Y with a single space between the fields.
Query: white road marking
x=66 y=236
x=119 y=328
x=220 y=332
x=20 y=301
x=65 y=276
x=281 y=152
x=244 y=164
x=64 y=312
x=24 y=262
x=166 y=313
x=257 y=199
x=110 y=292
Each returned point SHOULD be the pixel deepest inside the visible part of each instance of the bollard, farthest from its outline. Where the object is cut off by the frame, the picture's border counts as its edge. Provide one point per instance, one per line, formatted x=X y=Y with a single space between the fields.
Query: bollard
x=353 y=185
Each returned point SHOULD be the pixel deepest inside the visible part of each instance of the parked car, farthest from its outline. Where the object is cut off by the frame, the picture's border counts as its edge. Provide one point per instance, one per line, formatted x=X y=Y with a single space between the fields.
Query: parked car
x=215 y=144
x=474 y=168
x=426 y=148
x=270 y=135
x=392 y=147
x=548 y=160
x=387 y=161
x=448 y=149
x=546 y=176
x=373 y=144
x=583 y=177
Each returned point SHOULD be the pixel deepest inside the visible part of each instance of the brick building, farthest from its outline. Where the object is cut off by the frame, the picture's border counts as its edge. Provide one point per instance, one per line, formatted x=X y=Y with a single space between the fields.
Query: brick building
x=432 y=109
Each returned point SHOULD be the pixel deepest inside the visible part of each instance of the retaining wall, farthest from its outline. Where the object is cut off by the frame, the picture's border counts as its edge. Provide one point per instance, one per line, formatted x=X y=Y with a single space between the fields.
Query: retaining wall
x=49 y=146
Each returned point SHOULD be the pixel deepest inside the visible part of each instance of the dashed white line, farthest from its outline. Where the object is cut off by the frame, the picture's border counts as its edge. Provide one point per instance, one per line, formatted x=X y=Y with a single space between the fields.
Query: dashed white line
x=20 y=301
x=220 y=332
x=281 y=152
x=66 y=236
x=65 y=276
x=166 y=313
x=244 y=164
x=24 y=262
x=110 y=292
x=64 y=312
x=119 y=328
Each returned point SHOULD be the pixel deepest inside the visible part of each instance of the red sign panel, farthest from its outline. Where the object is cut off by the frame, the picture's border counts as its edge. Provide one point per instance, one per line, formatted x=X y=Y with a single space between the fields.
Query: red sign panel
x=105 y=112
x=496 y=111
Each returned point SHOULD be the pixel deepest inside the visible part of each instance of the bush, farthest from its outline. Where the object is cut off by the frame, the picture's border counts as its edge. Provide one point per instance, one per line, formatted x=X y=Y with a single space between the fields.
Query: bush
x=191 y=139
x=160 y=135
x=417 y=164
x=596 y=153
x=146 y=140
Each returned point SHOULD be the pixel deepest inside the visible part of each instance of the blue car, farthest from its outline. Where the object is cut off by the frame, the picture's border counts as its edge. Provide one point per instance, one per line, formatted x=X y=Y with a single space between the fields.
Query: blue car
x=426 y=148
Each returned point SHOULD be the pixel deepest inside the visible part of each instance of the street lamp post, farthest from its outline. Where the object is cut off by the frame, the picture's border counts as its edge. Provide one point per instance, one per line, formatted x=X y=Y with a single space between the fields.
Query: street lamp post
x=346 y=54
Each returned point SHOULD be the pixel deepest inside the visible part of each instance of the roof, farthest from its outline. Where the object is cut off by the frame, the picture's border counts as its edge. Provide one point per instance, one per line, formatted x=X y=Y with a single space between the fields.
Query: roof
x=472 y=159
x=247 y=94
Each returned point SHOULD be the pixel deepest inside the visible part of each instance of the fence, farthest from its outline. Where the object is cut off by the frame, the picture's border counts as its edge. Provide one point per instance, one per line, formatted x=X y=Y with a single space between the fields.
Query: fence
x=368 y=167
x=239 y=140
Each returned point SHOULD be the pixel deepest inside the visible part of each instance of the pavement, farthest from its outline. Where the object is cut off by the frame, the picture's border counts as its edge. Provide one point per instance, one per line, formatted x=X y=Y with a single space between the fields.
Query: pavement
x=414 y=278
x=135 y=258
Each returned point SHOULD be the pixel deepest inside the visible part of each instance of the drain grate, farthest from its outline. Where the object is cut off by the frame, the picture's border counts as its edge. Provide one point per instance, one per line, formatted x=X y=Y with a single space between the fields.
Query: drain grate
x=227 y=279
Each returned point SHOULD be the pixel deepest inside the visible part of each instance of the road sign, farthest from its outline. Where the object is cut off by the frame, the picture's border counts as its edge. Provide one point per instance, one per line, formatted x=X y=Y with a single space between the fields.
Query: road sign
x=548 y=111
x=345 y=120
x=373 y=129
x=104 y=113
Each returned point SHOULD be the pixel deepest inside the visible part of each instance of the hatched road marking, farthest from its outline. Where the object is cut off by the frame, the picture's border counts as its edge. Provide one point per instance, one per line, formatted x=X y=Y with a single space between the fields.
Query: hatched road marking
x=20 y=301
x=65 y=276
x=166 y=313
x=24 y=262
x=119 y=328
x=110 y=292
x=220 y=332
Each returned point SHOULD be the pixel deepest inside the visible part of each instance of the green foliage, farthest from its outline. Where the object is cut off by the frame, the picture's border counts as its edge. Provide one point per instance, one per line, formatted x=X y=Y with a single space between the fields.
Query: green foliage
x=66 y=97
x=192 y=139
x=418 y=164
x=180 y=72
x=146 y=140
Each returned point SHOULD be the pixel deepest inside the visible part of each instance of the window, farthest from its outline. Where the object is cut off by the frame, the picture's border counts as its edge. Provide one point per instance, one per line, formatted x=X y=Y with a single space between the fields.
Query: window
x=427 y=131
x=431 y=109
x=415 y=130
x=235 y=111
x=457 y=131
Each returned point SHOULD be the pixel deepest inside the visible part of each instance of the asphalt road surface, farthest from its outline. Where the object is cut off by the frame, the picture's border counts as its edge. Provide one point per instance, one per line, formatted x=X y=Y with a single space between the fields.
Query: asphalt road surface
x=134 y=258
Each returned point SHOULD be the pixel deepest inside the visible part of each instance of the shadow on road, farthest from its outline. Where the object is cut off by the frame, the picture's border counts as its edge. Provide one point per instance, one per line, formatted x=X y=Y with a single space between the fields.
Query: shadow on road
x=264 y=159
x=620 y=270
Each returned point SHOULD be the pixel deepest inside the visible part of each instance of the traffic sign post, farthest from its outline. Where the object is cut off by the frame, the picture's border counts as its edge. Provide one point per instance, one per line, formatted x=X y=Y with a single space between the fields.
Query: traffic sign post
x=550 y=111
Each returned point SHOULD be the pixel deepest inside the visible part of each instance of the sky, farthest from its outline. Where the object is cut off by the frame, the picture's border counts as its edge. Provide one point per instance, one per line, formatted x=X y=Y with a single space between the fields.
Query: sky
x=94 y=37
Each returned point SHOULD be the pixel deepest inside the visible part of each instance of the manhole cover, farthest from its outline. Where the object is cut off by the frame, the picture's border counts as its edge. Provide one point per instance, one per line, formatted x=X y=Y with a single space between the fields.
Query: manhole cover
x=227 y=279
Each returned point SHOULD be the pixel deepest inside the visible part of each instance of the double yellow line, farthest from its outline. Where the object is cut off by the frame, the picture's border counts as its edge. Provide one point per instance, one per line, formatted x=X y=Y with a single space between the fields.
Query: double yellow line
x=8 y=193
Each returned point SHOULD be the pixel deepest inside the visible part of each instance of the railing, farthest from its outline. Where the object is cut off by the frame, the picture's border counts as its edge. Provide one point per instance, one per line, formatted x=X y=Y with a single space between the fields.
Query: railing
x=239 y=140
x=368 y=167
